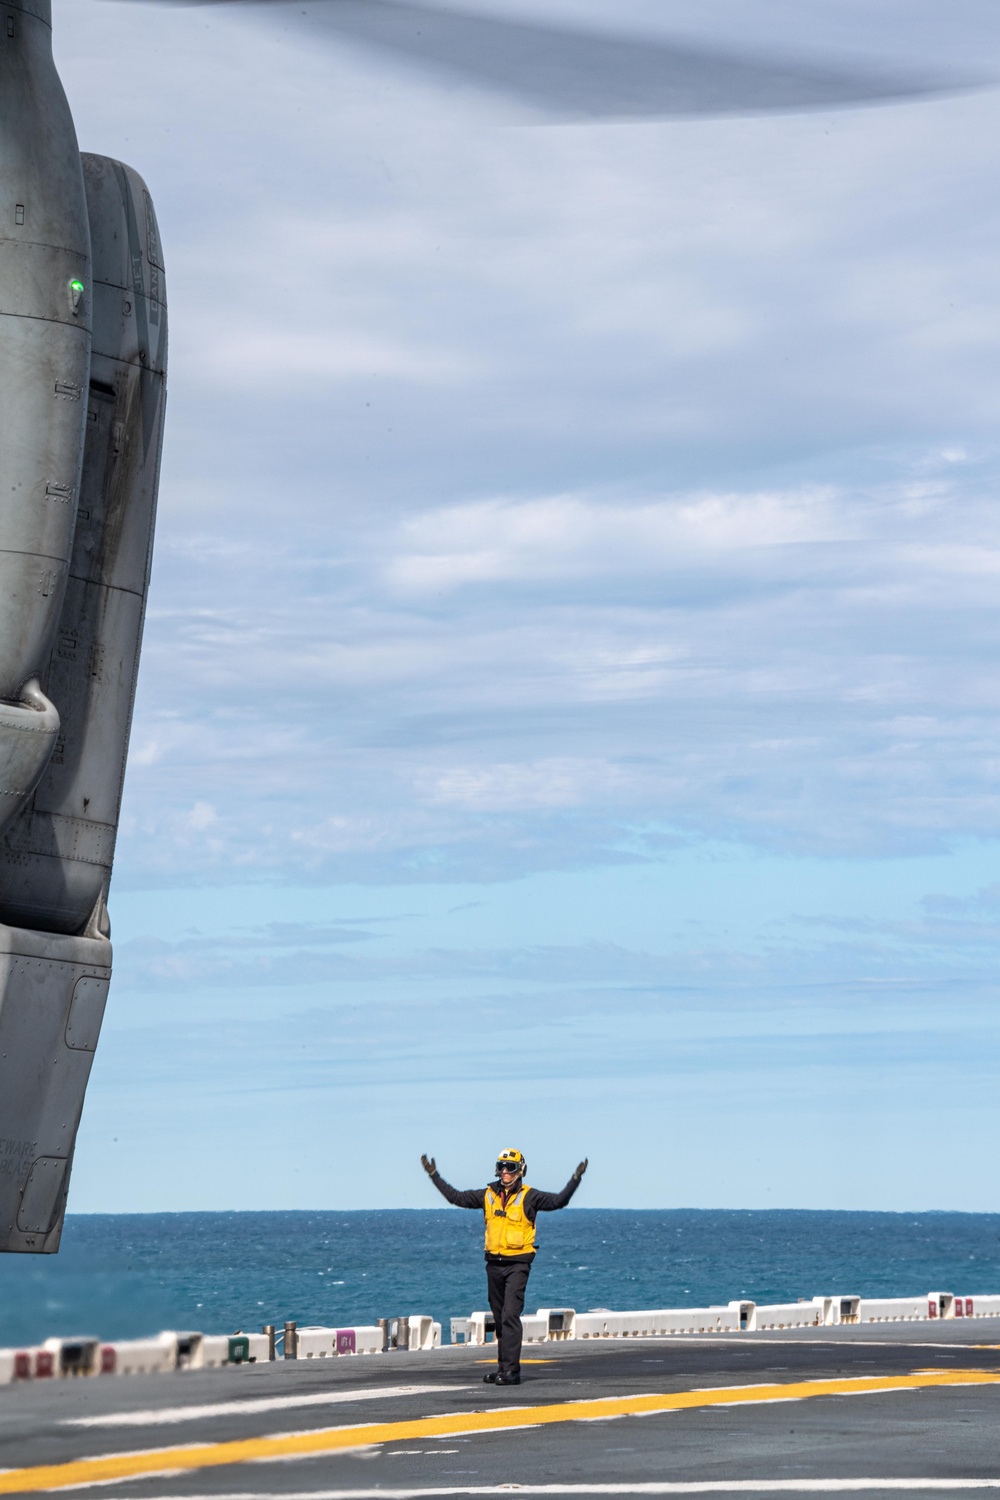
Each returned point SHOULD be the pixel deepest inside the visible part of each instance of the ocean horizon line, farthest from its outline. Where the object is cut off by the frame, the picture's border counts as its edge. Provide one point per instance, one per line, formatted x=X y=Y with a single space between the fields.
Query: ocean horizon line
x=571 y=1208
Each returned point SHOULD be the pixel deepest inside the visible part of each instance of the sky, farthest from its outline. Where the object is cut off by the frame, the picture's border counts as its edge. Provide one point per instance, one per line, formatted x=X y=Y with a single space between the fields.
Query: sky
x=569 y=713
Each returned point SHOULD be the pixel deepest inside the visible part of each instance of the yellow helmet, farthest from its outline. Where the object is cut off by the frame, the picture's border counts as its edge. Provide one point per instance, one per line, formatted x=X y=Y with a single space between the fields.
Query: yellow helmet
x=512 y=1161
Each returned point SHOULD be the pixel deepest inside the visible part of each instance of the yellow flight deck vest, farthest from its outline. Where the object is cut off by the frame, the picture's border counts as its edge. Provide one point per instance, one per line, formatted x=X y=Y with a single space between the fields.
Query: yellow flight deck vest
x=508 y=1231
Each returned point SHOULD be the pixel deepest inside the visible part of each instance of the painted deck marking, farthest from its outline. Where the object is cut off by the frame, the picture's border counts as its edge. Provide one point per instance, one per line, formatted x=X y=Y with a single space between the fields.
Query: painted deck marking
x=166 y=1414
x=700 y=1487
x=689 y=1487
x=114 y=1467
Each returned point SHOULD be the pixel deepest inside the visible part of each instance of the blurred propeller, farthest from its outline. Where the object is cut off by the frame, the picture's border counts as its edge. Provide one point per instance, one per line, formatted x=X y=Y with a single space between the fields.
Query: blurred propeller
x=592 y=74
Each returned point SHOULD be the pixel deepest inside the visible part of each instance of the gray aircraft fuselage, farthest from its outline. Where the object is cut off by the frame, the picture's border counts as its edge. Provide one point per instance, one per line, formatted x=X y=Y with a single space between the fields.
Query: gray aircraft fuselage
x=83 y=343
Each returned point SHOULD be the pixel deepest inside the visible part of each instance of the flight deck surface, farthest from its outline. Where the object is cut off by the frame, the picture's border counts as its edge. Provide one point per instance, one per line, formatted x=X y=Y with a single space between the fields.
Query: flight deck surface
x=867 y=1410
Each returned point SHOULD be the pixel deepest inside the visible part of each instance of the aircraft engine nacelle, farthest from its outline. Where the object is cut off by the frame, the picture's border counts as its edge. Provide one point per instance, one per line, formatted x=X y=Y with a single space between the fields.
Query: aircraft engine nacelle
x=55 y=857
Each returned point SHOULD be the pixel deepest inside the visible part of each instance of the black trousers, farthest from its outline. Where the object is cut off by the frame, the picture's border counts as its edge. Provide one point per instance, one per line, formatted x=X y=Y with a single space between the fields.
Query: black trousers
x=506 y=1282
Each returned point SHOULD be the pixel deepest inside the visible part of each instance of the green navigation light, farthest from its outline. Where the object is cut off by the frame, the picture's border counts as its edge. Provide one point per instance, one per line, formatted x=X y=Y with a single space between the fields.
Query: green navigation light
x=76 y=286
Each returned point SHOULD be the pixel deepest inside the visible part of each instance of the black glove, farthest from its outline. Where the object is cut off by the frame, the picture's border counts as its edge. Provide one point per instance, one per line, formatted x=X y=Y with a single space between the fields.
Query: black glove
x=428 y=1164
x=580 y=1170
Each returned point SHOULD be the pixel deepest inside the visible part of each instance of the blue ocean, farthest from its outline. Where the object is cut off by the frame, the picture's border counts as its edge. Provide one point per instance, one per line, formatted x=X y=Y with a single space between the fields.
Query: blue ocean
x=124 y=1275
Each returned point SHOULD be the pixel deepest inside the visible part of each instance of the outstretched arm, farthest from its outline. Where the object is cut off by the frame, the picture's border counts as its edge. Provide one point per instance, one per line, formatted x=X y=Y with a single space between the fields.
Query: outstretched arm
x=469 y=1198
x=535 y=1201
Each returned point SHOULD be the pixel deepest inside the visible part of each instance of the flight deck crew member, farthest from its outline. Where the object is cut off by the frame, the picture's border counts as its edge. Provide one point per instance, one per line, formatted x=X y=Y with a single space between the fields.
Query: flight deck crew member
x=509 y=1208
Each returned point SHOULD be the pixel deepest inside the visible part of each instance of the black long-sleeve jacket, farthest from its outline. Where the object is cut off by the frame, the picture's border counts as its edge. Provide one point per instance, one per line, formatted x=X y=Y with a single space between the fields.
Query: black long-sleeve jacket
x=535 y=1202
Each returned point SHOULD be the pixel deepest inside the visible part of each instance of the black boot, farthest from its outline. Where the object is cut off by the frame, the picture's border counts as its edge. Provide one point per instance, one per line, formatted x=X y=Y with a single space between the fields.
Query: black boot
x=491 y=1378
x=508 y=1377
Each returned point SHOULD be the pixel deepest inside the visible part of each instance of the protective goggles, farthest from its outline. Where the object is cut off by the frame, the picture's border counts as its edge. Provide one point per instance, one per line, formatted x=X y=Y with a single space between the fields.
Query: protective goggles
x=509 y=1166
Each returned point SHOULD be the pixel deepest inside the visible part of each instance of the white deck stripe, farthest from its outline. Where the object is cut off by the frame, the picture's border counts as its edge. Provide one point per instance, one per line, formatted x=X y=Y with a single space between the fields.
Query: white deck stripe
x=159 y=1416
x=690 y=1487
x=745 y=1340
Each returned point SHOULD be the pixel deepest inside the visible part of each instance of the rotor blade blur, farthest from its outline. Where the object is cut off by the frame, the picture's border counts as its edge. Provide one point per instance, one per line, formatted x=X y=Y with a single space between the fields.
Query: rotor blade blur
x=582 y=73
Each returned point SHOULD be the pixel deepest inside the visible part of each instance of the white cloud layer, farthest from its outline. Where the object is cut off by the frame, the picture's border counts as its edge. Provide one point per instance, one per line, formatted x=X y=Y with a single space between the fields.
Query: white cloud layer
x=810 y=668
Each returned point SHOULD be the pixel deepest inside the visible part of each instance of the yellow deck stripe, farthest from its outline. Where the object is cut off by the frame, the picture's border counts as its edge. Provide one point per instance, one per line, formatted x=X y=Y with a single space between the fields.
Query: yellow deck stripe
x=336 y=1439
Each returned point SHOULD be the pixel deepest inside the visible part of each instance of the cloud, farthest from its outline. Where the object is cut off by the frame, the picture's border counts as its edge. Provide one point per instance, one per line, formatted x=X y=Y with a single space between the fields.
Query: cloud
x=572 y=536
x=553 y=783
x=526 y=680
